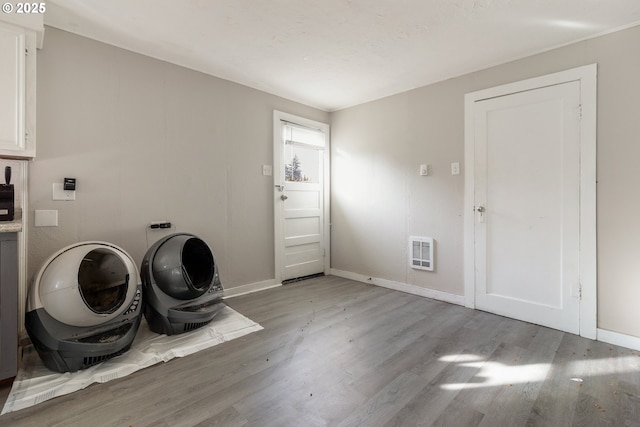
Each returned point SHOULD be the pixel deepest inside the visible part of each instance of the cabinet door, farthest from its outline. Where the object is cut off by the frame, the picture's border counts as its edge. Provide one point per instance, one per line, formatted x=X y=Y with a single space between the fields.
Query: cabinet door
x=12 y=90
x=8 y=305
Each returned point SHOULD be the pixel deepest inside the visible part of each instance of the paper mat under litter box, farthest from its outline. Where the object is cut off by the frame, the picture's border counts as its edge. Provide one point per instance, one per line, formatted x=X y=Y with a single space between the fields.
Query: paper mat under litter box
x=34 y=383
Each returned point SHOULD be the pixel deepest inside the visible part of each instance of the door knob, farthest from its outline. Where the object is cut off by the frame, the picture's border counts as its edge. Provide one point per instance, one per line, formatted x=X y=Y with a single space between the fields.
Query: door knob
x=283 y=197
x=481 y=210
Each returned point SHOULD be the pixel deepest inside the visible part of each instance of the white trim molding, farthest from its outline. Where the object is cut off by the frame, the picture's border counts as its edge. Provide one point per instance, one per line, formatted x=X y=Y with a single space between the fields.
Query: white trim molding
x=616 y=338
x=250 y=288
x=23 y=284
x=402 y=287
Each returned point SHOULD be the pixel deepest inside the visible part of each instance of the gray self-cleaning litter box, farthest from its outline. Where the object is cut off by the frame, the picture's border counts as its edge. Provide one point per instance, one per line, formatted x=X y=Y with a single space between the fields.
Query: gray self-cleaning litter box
x=84 y=306
x=181 y=285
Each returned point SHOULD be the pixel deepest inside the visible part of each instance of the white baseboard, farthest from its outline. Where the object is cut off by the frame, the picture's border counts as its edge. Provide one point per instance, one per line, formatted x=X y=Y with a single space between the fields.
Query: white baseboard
x=616 y=338
x=403 y=287
x=250 y=288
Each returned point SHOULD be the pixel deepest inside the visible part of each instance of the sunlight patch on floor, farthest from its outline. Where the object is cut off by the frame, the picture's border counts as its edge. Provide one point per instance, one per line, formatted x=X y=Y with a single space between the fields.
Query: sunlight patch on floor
x=494 y=374
x=604 y=366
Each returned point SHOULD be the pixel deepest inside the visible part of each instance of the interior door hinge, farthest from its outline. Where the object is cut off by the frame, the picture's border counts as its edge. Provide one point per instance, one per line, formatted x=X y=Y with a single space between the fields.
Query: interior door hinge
x=579 y=111
x=26 y=52
x=580 y=291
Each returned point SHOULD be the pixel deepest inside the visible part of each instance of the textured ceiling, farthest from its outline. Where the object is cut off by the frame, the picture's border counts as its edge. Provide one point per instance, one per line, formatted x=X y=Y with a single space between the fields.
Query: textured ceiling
x=333 y=54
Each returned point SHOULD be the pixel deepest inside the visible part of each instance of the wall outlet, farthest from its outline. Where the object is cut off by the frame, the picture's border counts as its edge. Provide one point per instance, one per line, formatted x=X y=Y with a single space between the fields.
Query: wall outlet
x=59 y=193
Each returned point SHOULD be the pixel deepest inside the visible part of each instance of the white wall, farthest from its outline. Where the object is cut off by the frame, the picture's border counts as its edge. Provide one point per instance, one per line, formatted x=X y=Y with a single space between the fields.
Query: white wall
x=379 y=199
x=148 y=141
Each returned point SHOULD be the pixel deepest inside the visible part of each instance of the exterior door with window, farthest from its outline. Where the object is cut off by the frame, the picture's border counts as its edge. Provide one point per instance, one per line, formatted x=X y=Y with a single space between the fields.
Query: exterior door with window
x=300 y=196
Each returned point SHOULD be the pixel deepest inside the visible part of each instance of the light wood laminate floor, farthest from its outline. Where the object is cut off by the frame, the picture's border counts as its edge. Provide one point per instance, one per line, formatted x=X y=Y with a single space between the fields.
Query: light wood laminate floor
x=342 y=353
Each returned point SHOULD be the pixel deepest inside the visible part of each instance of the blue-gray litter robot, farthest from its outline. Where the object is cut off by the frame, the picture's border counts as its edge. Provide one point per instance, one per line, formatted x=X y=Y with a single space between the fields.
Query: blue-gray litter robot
x=181 y=285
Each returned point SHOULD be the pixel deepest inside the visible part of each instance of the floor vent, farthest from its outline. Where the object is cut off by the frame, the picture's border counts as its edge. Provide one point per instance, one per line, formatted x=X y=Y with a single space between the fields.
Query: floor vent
x=421 y=251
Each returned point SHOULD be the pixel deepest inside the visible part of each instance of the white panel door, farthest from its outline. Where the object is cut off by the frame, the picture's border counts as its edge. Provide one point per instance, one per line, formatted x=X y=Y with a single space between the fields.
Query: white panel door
x=527 y=205
x=301 y=202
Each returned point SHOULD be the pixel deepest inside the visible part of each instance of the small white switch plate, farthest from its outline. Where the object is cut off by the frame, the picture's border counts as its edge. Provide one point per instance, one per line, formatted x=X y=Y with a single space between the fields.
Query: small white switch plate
x=424 y=170
x=455 y=168
x=46 y=218
x=59 y=193
x=267 y=170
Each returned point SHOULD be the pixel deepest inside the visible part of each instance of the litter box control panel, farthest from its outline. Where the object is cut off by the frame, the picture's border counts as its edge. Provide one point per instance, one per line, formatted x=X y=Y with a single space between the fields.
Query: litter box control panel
x=134 y=305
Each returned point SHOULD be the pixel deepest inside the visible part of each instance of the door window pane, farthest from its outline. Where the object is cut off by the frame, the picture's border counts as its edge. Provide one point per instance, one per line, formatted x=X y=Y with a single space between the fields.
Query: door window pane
x=304 y=135
x=302 y=163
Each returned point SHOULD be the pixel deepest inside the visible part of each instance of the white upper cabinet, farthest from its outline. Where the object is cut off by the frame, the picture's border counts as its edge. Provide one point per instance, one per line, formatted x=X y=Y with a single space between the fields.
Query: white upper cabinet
x=17 y=92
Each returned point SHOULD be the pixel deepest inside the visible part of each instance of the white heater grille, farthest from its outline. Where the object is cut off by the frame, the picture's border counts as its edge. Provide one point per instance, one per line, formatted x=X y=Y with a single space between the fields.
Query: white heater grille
x=421 y=250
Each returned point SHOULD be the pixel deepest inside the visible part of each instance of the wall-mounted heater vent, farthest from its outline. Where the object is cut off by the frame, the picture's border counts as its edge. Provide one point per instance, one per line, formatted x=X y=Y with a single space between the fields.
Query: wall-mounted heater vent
x=421 y=251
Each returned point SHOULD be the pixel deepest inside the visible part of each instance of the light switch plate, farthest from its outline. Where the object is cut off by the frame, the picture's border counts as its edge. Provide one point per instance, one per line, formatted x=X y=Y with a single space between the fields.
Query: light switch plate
x=59 y=193
x=455 y=168
x=46 y=218
x=424 y=170
x=267 y=170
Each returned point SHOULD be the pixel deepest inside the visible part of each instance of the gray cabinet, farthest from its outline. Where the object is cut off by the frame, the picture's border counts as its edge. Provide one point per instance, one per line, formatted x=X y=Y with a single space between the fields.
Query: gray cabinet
x=8 y=305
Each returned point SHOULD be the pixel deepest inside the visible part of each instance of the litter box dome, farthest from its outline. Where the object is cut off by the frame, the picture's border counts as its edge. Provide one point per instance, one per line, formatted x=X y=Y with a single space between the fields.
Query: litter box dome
x=181 y=284
x=84 y=306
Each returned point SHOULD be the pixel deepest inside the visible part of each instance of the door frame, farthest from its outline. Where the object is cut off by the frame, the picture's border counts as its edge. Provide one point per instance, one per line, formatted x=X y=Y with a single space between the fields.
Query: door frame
x=278 y=179
x=587 y=76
